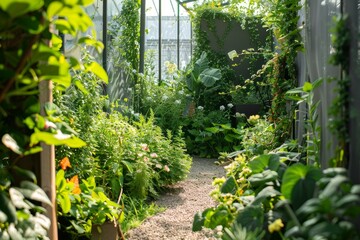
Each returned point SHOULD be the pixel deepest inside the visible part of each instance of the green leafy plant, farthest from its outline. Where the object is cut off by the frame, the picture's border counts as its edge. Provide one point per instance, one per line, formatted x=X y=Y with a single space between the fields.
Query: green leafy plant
x=20 y=217
x=201 y=78
x=83 y=206
x=306 y=94
x=27 y=62
x=329 y=208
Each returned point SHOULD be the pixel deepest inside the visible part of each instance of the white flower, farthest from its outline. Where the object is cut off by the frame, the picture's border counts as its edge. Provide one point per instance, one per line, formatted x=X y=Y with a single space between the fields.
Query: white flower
x=230 y=105
x=222 y=108
x=233 y=54
x=181 y=92
x=177 y=101
x=129 y=89
x=153 y=155
x=164 y=97
x=166 y=168
x=237 y=114
x=200 y=108
x=134 y=71
x=148 y=98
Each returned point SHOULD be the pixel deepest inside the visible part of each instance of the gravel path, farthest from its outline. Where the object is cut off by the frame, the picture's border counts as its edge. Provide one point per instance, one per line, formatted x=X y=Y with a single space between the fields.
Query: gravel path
x=182 y=201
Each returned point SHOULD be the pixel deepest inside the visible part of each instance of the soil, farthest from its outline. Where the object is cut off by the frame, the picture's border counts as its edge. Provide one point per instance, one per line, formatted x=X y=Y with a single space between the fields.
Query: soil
x=182 y=201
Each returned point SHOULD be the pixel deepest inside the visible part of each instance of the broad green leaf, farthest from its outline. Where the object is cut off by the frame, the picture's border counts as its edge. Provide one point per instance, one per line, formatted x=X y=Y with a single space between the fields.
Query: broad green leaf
x=80 y=86
x=17 y=8
x=200 y=65
x=34 y=192
x=220 y=217
x=7 y=207
x=251 y=217
x=18 y=199
x=265 y=193
x=3 y=219
x=333 y=186
x=54 y=9
x=199 y=219
x=11 y=143
x=299 y=182
x=65 y=202
x=212 y=129
x=90 y=41
x=229 y=185
x=25 y=173
x=259 y=179
x=307 y=87
x=33 y=150
x=52 y=109
x=14 y=233
x=43 y=221
x=228 y=138
x=56 y=139
x=78 y=227
x=263 y=162
x=98 y=70
x=209 y=76
x=64 y=26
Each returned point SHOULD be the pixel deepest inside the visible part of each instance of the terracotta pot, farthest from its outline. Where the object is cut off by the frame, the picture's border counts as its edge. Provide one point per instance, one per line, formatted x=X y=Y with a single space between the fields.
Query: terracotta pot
x=106 y=231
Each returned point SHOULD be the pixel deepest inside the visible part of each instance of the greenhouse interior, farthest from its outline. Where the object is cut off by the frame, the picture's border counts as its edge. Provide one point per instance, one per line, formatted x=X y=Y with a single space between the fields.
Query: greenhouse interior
x=180 y=119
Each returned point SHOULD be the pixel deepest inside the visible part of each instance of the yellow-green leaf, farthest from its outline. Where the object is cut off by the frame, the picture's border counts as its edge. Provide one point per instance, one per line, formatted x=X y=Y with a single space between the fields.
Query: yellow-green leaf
x=98 y=70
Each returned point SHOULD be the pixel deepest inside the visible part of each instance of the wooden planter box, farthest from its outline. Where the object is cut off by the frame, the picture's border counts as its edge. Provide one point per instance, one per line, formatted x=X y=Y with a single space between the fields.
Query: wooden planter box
x=106 y=231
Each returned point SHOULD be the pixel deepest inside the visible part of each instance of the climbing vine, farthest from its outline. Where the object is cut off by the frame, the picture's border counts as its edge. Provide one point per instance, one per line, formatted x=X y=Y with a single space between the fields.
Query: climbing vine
x=205 y=21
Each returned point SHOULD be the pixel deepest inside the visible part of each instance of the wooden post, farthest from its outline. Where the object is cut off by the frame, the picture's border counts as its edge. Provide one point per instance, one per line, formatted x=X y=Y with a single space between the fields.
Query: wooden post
x=47 y=164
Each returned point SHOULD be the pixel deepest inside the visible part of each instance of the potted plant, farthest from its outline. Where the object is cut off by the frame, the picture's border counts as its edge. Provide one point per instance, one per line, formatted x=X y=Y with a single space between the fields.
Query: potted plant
x=84 y=210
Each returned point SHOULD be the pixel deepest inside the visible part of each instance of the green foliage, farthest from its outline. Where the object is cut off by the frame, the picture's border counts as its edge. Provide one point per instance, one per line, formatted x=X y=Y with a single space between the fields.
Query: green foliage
x=81 y=206
x=20 y=218
x=27 y=62
x=201 y=78
x=208 y=133
x=167 y=100
x=328 y=213
x=306 y=94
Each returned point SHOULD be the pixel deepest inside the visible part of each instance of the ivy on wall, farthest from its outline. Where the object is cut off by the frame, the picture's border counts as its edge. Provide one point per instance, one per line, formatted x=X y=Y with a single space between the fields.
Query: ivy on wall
x=205 y=21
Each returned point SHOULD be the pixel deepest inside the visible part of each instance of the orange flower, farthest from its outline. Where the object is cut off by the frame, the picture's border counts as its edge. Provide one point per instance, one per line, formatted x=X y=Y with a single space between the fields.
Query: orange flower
x=65 y=163
x=75 y=180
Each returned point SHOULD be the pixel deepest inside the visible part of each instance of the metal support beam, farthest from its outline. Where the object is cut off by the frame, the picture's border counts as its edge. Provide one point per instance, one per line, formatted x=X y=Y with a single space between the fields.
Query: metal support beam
x=104 y=34
x=178 y=35
x=159 y=49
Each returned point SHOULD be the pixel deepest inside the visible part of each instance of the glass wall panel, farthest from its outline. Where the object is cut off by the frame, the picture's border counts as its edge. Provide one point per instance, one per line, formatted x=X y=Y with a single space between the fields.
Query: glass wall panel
x=185 y=38
x=169 y=34
x=152 y=38
x=117 y=77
